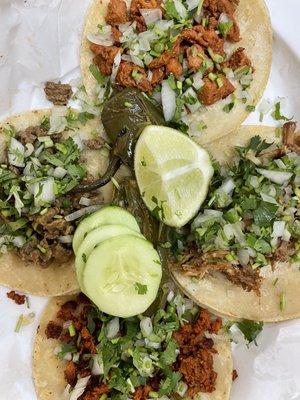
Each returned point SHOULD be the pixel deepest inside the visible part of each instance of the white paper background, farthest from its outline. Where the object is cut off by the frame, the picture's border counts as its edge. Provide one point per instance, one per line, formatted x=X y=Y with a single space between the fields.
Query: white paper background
x=39 y=41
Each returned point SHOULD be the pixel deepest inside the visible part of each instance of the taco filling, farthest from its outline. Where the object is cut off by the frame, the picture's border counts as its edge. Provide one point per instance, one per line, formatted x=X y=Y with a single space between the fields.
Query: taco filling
x=170 y=354
x=174 y=51
x=251 y=216
x=39 y=170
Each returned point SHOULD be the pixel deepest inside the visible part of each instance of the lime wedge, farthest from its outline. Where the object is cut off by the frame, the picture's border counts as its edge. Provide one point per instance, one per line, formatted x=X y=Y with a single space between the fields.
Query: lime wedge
x=173 y=174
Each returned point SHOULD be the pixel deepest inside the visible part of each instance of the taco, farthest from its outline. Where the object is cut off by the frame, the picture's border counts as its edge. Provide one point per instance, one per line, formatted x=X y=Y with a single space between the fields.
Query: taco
x=80 y=352
x=243 y=261
x=199 y=59
x=45 y=155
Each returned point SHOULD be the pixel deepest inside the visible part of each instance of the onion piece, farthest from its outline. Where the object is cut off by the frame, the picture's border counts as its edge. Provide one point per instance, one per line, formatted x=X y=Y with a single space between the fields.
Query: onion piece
x=168 y=97
x=146 y=326
x=58 y=121
x=59 y=172
x=104 y=38
x=227 y=186
x=182 y=11
x=268 y=199
x=80 y=213
x=79 y=388
x=16 y=153
x=98 y=367
x=278 y=229
x=278 y=177
x=198 y=81
x=151 y=15
x=243 y=257
x=67 y=239
x=78 y=141
x=192 y=4
x=137 y=61
x=115 y=68
x=113 y=328
x=43 y=192
x=85 y=201
x=19 y=241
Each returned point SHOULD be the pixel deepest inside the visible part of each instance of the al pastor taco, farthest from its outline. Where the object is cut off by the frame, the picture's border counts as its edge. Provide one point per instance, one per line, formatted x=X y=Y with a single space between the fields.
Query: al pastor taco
x=45 y=155
x=82 y=353
x=206 y=62
x=242 y=260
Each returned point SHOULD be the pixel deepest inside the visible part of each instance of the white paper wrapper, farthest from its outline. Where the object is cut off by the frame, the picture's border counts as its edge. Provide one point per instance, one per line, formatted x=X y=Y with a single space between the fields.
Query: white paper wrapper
x=39 y=41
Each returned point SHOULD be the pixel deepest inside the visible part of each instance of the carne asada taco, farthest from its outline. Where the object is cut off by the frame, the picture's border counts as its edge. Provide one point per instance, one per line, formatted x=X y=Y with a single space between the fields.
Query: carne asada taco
x=180 y=352
x=243 y=260
x=44 y=156
x=198 y=59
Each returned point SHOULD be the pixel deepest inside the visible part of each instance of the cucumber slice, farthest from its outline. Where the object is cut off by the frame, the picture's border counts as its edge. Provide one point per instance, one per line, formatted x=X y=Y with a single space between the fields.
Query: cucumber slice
x=110 y=215
x=93 y=239
x=122 y=276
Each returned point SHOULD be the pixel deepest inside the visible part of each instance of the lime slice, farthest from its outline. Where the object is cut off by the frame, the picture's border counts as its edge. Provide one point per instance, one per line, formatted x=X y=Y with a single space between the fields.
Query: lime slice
x=173 y=174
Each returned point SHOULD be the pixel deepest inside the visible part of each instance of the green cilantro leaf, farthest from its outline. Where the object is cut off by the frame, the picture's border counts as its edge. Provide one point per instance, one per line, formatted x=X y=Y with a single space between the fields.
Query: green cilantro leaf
x=250 y=329
x=141 y=289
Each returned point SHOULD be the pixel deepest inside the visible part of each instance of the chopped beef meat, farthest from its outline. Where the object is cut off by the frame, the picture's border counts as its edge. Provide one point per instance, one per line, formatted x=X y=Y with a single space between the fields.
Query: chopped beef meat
x=53 y=330
x=238 y=59
x=59 y=94
x=137 y=5
x=131 y=75
x=96 y=392
x=284 y=251
x=30 y=134
x=51 y=227
x=116 y=34
x=158 y=75
x=198 y=264
x=116 y=12
x=104 y=58
x=67 y=310
x=210 y=93
x=234 y=375
x=195 y=361
x=94 y=144
x=71 y=373
x=140 y=23
x=174 y=67
x=290 y=138
x=88 y=342
x=16 y=297
x=142 y=392
x=195 y=56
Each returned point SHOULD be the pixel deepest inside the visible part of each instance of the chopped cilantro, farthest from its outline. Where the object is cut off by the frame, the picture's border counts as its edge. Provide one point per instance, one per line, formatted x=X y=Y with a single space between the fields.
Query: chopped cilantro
x=250 y=329
x=277 y=113
x=141 y=289
x=101 y=79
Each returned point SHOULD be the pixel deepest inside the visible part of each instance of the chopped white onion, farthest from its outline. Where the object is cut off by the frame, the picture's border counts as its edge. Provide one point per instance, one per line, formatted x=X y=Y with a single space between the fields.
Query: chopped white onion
x=170 y=296
x=29 y=149
x=146 y=326
x=105 y=38
x=278 y=229
x=192 y=4
x=80 y=213
x=126 y=57
x=19 y=241
x=151 y=15
x=280 y=163
x=66 y=325
x=164 y=25
x=251 y=252
x=113 y=328
x=198 y=81
x=43 y=191
x=227 y=186
x=234 y=230
x=286 y=236
x=168 y=97
x=67 y=239
x=268 y=199
x=278 y=177
x=157 y=97
x=243 y=257
x=79 y=388
x=85 y=201
x=59 y=172
x=78 y=141
x=137 y=61
x=180 y=8
x=115 y=68
x=265 y=106
x=150 y=75
x=98 y=367
x=223 y=19
x=213 y=213
x=16 y=153
x=191 y=93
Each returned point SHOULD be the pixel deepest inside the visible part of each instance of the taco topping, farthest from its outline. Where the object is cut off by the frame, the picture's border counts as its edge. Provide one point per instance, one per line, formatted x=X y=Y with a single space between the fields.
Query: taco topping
x=139 y=358
x=16 y=297
x=251 y=215
x=180 y=44
x=40 y=169
x=58 y=93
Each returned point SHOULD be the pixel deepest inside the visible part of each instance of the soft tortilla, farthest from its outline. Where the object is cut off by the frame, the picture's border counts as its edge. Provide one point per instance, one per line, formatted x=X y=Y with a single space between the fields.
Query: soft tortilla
x=256 y=32
x=222 y=297
x=48 y=370
x=56 y=279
